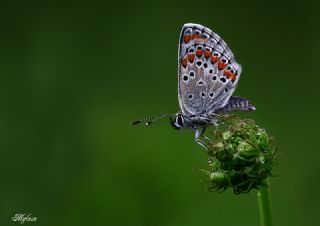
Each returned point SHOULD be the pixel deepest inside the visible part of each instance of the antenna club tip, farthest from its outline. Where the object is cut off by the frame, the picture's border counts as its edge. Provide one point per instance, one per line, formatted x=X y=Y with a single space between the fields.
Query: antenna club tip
x=135 y=122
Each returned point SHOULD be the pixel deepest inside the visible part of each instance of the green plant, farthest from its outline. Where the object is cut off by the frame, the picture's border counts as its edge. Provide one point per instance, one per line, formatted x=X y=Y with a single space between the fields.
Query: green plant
x=241 y=156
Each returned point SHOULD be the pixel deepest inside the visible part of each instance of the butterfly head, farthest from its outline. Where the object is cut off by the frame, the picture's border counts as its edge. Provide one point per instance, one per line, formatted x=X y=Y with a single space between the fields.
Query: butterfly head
x=178 y=122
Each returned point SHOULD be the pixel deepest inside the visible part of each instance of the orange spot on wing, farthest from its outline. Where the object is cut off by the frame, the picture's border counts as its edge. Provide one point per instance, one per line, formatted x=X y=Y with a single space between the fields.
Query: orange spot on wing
x=184 y=62
x=214 y=59
x=207 y=54
x=196 y=36
x=199 y=53
x=191 y=57
x=187 y=38
x=234 y=77
x=227 y=73
x=221 y=65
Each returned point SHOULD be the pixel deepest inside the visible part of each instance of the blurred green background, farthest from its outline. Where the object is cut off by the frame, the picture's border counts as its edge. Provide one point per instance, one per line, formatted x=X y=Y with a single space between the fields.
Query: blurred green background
x=74 y=75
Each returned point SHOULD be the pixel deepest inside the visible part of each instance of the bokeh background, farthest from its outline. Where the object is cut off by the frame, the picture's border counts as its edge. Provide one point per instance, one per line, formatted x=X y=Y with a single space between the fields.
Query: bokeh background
x=74 y=75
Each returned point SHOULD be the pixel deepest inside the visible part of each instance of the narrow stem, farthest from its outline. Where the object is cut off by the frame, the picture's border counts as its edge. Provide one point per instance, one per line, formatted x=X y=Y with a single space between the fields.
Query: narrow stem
x=265 y=206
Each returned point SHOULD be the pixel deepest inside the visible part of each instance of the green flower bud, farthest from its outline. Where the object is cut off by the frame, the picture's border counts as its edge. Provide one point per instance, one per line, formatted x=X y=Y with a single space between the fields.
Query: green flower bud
x=241 y=156
x=226 y=135
x=219 y=181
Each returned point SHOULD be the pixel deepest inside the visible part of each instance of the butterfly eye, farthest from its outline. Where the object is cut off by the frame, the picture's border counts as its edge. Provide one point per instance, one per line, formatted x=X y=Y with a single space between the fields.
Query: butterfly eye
x=179 y=120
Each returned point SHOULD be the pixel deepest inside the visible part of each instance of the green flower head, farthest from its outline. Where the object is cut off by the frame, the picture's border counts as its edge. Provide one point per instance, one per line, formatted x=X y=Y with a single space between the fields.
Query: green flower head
x=241 y=156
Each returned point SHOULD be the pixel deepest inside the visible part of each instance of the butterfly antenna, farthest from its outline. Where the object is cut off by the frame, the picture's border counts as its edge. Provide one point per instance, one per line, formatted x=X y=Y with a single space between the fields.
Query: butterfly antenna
x=151 y=119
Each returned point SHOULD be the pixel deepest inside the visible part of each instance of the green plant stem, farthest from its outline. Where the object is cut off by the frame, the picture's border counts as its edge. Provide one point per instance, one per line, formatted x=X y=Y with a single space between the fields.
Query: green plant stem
x=265 y=206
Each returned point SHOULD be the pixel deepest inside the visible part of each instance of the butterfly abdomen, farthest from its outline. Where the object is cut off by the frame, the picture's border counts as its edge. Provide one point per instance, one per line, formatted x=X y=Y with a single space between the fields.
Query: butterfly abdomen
x=237 y=104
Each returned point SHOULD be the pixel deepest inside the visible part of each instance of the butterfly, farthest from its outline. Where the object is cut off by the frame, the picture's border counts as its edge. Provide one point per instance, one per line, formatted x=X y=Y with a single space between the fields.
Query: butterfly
x=208 y=75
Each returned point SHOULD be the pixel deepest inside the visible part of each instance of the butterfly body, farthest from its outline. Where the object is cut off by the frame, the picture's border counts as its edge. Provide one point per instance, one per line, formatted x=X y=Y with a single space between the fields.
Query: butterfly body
x=208 y=75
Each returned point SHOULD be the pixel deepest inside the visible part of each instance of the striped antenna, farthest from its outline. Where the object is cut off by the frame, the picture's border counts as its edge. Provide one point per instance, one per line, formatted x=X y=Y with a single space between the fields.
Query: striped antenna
x=151 y=119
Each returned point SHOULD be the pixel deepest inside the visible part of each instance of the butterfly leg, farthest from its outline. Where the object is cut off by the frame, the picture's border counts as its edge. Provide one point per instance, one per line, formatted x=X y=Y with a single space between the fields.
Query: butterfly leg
x=207 y=138
x=198 y=134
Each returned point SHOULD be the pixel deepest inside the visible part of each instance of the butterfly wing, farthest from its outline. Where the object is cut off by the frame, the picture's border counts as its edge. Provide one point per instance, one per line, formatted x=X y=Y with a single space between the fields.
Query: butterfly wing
x=208 y=72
